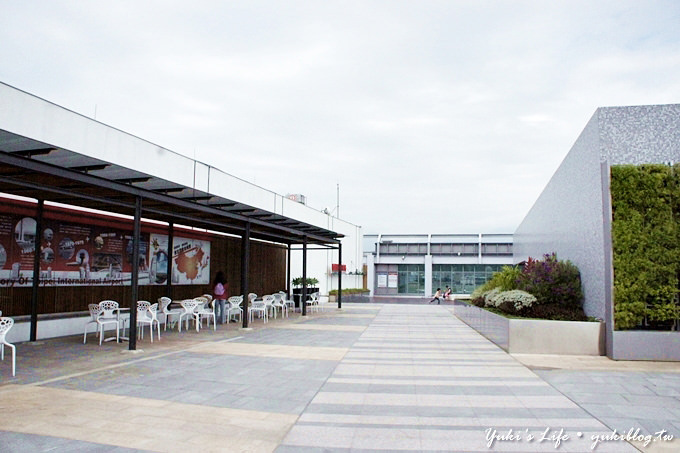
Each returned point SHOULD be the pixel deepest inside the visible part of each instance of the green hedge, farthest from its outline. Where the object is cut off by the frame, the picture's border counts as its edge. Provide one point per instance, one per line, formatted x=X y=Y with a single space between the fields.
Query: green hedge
x=646 y=244
x=334 y=292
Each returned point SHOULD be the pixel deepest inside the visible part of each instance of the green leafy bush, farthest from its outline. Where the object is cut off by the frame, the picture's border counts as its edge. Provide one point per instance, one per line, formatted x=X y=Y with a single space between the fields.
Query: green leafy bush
x=505 y=280
x=646 y=244
x=297 y=282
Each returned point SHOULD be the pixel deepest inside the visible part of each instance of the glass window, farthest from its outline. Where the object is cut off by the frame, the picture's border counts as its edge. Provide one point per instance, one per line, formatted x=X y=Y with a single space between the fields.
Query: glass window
x=462 y=278
x=411 y=279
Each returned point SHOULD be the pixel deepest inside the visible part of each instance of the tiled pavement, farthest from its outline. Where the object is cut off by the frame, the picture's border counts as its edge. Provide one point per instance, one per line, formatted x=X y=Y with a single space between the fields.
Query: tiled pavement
x=367 y=378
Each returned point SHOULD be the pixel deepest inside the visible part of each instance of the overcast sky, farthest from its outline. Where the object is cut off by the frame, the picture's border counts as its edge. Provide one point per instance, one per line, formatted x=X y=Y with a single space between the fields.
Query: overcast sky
x=432 y=116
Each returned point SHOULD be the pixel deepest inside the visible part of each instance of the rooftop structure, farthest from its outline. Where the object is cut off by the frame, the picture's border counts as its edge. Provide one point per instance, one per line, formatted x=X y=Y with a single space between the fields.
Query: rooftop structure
x=418 y=264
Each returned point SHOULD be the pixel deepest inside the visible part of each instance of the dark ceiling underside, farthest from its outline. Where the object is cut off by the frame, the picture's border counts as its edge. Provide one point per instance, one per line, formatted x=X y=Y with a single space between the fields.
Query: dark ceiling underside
x=37 y=170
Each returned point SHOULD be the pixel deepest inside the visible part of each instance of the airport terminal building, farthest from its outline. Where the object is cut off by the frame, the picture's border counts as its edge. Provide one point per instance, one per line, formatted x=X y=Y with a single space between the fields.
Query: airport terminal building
x=418 y=264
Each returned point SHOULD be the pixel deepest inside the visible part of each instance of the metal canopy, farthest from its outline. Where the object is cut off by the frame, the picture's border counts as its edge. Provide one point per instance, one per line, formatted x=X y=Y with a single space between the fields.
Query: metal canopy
x=38 y=170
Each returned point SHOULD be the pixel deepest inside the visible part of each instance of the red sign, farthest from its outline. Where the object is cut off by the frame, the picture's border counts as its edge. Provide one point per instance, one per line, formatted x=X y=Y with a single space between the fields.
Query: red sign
x=341 y=267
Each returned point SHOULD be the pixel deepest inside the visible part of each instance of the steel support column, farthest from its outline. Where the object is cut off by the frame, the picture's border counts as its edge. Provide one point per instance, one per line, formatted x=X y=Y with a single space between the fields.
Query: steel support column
x=171 y=239
x=288 y=274
x=36 y=270
x=303 y=297
x=340 y=275
x=245 y=266
x=607 y=216
x=135 y=273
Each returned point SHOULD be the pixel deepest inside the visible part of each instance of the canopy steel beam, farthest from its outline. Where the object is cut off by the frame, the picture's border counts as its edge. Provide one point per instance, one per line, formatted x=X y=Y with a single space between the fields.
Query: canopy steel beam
x=133 y=191
x=168 y=190
x=133 y=180
x=87 y=168
x=33 y=152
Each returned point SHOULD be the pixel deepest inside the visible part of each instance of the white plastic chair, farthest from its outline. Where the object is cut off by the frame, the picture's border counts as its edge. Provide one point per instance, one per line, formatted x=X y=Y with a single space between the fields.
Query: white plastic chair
x=257 y=306
x=280 y=305
x=321 y=305
x=269 y=303
x=167 y=312
x=290 y=304
x=108 y=314
x=206 y=311
x=94 y=312
x=6 y=324
x=189 y=307
x=235 y=307
x=313 y=302
x=147 y=315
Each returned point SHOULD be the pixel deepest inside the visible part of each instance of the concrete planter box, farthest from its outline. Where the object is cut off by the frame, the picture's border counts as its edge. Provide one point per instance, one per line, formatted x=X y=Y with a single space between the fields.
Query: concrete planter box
x=646 y=345
x=535 y=336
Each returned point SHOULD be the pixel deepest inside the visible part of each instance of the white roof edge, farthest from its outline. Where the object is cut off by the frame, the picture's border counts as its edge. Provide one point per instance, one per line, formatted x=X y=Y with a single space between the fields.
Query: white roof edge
x=33 y=117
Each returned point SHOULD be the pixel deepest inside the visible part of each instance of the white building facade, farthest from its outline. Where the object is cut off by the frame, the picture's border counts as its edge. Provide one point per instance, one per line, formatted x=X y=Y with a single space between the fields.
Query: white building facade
x=418 y=264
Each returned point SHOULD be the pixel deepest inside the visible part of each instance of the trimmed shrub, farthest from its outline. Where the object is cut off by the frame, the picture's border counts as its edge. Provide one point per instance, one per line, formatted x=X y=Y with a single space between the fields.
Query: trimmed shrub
x=489 y=297
x=555 y=312
x=478 y=302
x=514 y=301
x=334 y=292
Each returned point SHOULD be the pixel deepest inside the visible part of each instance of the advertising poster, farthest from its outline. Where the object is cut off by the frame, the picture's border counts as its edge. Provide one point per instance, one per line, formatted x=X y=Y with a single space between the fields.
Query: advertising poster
x=382 y=280
x=392 y=280
x=70 y=254
x=78 y=248
x=190 y=261
x=158 y=259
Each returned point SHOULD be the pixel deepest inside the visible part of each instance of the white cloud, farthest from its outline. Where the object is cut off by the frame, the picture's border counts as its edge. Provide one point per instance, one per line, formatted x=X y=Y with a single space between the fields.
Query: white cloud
x=435 y=116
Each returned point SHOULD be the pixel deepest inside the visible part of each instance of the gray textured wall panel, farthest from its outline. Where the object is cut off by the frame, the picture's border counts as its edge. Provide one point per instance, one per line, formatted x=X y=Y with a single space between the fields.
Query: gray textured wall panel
x=640 y=134
x=567 y=218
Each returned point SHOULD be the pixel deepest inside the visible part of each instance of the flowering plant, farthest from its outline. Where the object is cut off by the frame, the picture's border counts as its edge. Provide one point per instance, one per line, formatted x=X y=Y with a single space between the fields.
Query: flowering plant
x=514 y=301
x=552 y=281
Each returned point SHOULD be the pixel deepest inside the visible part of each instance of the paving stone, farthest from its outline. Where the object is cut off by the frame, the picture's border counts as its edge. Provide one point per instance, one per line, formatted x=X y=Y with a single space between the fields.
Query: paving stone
x=405 y=377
